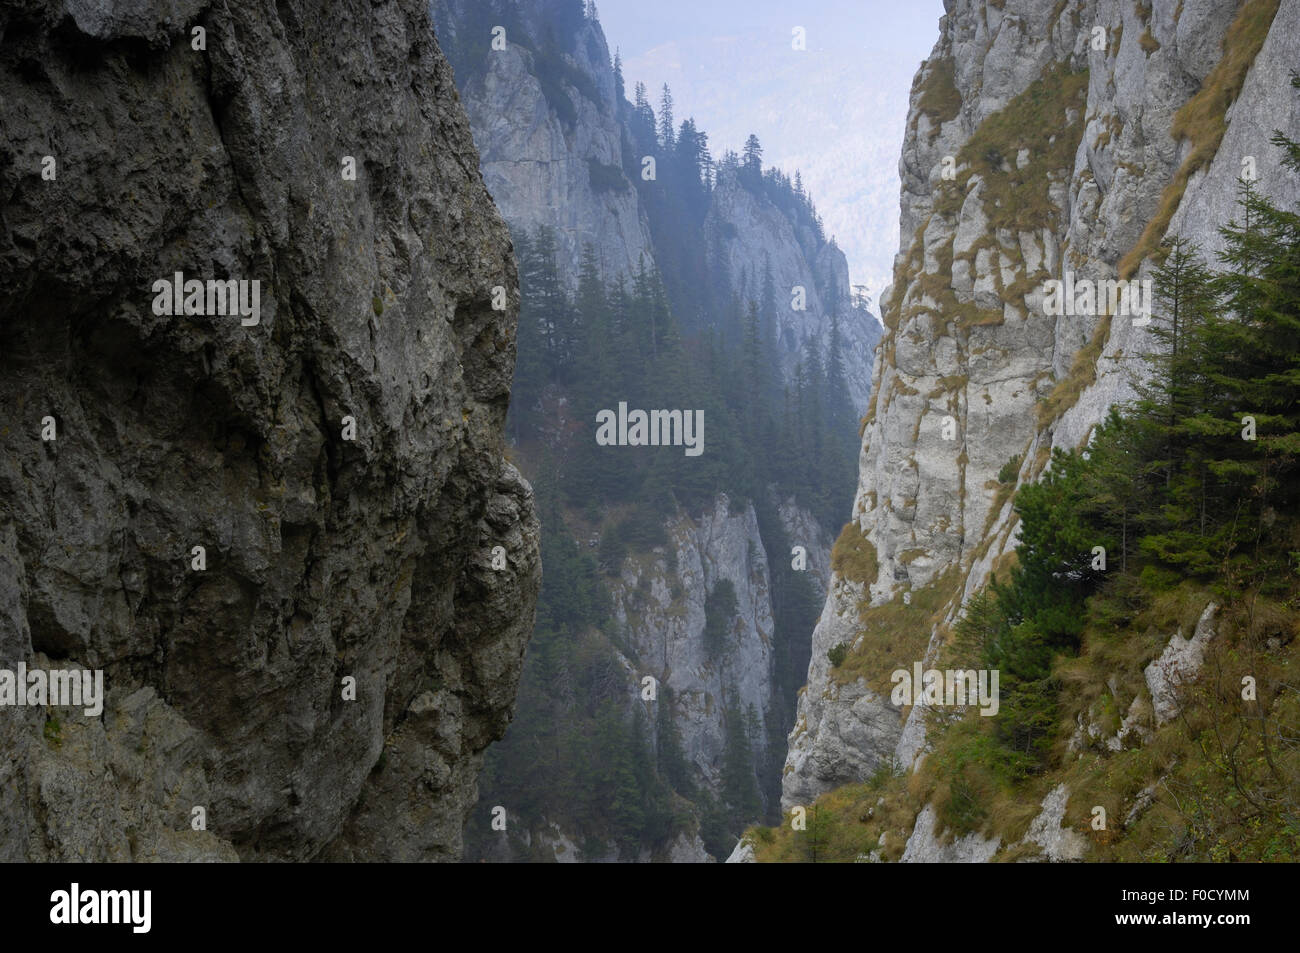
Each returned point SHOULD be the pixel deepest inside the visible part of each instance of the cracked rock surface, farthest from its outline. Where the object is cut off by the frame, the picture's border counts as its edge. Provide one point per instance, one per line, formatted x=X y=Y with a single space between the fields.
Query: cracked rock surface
x=327 y=558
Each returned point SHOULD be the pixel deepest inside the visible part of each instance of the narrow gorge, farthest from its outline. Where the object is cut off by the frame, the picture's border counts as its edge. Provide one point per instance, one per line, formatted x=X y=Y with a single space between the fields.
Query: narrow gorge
x=701 y=639
x=422 y=439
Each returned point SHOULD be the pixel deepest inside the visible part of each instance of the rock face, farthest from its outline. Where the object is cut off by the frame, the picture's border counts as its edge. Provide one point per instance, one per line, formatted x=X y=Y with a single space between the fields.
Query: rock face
x=334 y=560
x=536 y=164
x=843 y=731
x=756 y=238
x=663 y=628
x=926 y=847
x=1077 y=98
x=743 y=854
x=1057 y=842
x=1181 y=660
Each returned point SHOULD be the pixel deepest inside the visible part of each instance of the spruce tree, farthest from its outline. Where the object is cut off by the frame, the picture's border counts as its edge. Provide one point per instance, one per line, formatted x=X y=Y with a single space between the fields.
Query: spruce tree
x=666 y=139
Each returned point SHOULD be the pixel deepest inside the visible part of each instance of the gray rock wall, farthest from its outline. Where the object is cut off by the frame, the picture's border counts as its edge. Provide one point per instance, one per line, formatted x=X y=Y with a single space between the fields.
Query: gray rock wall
x=968 y=337
x=326 y=558
x=537 y=166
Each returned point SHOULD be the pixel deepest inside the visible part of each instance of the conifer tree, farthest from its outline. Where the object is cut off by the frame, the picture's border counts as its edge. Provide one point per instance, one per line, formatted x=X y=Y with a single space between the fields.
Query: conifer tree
x=671 y=758
x=666 y=138
x=752 y=163
x=739 y=790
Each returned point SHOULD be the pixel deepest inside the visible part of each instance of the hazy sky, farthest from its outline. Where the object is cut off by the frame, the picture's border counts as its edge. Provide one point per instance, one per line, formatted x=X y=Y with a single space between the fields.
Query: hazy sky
x=835 y=111
x=862 y=25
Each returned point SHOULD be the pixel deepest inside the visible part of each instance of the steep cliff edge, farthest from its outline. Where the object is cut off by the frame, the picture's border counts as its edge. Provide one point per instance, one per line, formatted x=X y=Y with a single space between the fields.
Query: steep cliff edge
x=1043 y=144
x=544 y=110
x=321 y=680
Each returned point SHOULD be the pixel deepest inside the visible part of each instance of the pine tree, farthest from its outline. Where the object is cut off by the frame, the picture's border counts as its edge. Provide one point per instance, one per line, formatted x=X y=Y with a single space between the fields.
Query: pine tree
x=666 y=119
x=719 y=614
x=752 y=163
x=739 y=790
x=545 y=299
x=817 y=835
x=1256 y=345
x=752 y=373
x=615 y=793
x=673 y=766
x=838 y=403
x=1184 y=299
x=643 y=121
x=767 y=314
x=620 y=91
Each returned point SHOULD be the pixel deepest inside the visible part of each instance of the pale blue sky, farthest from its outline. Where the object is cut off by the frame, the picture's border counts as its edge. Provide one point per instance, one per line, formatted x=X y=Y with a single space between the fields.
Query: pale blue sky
x=638 y=25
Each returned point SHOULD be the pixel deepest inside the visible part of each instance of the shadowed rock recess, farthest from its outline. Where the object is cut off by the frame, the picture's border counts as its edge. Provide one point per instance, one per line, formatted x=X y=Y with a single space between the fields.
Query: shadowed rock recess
x=325 y=557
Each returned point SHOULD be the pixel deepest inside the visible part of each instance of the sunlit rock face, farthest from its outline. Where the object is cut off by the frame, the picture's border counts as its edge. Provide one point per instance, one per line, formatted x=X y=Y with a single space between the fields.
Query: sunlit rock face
x=974 y=371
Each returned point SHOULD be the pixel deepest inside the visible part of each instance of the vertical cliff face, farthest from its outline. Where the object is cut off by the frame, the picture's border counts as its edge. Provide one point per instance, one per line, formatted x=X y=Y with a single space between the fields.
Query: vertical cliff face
x=755 y=239
x=1039 y=147
x=544 y=113
x=323 y=676
x=557 y=151
x=662 y=613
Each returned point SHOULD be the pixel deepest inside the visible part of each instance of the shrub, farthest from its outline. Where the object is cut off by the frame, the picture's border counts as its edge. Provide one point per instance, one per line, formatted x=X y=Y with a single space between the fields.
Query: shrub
x=1010 y=470
x=606 y=178
x=719 y=610
x=853 y=556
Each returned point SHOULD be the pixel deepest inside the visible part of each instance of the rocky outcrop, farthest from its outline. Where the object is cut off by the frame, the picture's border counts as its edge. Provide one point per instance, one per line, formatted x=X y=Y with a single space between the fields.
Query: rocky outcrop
x=1180 y=662
x=925 y=846
x=1047 y=831
x=1039 y=145
x=756 y=239
x=542 y=168
x=844 y=730
x=557 y=152
x=661 y=614
x=743 y=854
x=321 y=678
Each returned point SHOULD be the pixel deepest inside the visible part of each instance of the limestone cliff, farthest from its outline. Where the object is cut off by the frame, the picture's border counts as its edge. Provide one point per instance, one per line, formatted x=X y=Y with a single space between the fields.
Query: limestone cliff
x=340 y=462
x=545 y=142
x=1043 y=140
x=661 y=612
x=755 y=238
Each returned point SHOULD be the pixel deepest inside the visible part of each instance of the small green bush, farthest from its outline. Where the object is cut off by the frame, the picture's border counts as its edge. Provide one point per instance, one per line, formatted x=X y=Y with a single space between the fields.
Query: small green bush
x=1010 y=470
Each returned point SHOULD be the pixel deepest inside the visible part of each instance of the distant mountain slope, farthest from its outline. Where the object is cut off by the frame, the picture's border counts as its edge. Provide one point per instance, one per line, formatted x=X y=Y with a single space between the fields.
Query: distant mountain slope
x=710 y=284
